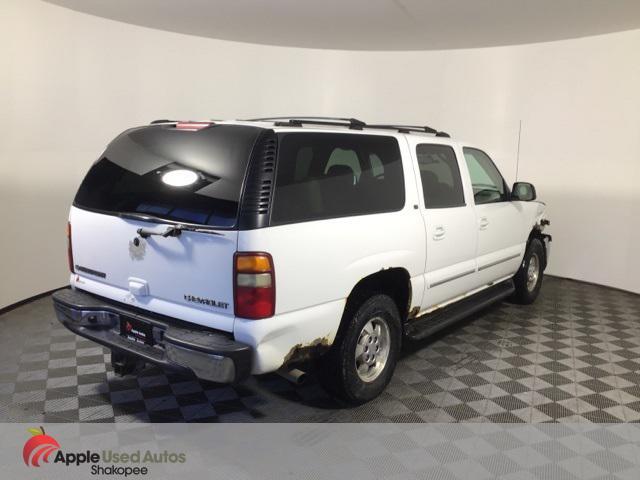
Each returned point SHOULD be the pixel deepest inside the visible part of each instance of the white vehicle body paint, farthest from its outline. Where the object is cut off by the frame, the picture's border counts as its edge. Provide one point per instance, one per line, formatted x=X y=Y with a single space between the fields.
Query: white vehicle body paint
x=447 y=254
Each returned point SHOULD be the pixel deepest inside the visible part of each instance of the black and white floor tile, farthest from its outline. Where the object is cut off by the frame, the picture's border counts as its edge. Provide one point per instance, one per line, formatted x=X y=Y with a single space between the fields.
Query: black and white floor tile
x=573 y=356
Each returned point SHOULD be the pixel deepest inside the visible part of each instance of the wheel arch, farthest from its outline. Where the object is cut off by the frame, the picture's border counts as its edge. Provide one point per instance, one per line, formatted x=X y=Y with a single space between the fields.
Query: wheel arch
x=393 y=281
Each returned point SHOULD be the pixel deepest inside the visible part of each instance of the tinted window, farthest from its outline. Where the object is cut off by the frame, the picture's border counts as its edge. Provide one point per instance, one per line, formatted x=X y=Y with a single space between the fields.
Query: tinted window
x=177 y=175
x=488 y=184
x=303 y=163
x=440 y=175
x=325 y=175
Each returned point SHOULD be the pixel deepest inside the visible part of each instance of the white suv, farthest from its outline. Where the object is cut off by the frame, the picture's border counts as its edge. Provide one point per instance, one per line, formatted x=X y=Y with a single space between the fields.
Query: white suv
x=243 y=247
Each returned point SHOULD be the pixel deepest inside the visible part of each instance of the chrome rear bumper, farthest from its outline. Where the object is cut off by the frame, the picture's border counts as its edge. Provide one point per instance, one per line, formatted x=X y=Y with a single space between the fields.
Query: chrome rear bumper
x=209 y=354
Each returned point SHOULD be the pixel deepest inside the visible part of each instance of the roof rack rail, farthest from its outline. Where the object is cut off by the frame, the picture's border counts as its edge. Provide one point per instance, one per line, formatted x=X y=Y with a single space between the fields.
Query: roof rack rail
x=308 y=117
x=406 y=128
x=298 y=121
x=412 y=128
x=353 y=123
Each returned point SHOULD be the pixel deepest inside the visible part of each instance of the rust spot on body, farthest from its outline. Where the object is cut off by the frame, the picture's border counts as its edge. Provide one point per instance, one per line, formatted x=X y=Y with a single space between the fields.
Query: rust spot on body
x=304 y=352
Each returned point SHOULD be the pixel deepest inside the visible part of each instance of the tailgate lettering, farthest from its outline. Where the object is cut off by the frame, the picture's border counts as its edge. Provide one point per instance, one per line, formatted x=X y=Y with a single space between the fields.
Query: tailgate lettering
x=206 y=301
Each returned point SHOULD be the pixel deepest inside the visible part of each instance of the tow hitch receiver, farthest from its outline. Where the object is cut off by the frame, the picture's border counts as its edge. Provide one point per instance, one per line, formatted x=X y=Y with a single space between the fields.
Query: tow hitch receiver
x=125 y=364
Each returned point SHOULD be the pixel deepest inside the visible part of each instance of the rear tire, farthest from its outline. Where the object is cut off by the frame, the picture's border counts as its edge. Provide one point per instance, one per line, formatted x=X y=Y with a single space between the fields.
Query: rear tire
x=528 y=279
x=363 y=357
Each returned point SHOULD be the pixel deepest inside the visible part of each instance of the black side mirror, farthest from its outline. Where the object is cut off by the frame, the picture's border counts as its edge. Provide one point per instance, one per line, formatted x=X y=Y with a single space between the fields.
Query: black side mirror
x=523 y=192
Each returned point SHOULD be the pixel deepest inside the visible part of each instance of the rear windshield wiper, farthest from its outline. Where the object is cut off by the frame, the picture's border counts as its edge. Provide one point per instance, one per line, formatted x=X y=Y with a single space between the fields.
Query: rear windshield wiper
x=173 y=231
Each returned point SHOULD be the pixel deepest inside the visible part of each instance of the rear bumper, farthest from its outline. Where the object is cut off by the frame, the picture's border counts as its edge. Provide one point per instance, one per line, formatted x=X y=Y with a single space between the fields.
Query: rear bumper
x=210 y=354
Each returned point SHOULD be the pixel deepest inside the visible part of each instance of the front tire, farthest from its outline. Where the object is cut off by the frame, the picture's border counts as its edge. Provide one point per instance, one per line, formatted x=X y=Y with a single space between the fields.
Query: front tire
x=363 y=357
x=528 y=279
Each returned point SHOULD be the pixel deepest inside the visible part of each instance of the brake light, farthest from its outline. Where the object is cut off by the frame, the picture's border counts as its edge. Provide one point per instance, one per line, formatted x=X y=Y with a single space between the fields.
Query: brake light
x=192 y=126
x=69 y=248
x=254 y=285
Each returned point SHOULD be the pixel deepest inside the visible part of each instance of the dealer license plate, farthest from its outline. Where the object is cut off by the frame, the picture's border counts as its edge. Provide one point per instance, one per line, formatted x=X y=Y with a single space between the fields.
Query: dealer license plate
x=136 y=330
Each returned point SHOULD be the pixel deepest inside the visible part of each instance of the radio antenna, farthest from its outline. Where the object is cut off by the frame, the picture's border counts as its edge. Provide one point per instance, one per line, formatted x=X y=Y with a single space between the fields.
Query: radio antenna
x=518 y=152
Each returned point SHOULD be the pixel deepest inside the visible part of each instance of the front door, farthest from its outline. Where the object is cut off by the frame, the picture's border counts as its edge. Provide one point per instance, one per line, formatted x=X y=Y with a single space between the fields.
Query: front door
x=499 y=220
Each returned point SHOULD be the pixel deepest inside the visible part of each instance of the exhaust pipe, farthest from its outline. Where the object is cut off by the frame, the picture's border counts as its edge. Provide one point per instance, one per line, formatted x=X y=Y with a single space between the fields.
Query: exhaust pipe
x=295 y=376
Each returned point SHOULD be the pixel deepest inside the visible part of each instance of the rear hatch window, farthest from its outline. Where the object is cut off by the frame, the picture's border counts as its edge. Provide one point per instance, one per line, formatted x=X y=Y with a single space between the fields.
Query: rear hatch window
x=163 y=173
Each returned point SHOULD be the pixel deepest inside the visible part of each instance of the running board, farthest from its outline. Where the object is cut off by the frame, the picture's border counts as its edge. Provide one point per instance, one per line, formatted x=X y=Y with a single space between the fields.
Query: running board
x=433 y=322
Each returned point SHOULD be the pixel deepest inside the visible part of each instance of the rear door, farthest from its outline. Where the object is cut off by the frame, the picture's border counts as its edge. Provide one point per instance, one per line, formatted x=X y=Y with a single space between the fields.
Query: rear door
x=155 y=178
x=500 y=223
x=449 y=222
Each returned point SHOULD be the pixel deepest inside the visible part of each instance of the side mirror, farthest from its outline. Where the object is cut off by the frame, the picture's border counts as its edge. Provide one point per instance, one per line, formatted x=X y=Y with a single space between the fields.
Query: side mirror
x=523 y=192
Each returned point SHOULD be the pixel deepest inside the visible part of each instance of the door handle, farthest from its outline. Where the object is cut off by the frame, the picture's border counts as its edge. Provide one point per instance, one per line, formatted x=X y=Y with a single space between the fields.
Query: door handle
x=438 y=232
x=484 y=223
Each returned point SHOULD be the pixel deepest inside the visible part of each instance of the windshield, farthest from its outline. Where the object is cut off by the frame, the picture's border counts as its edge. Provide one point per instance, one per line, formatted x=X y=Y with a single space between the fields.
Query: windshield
x=193 y=177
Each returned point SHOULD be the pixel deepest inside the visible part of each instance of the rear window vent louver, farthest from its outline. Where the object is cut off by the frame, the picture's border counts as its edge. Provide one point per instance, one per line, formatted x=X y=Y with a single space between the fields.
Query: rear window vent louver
x=258 y=192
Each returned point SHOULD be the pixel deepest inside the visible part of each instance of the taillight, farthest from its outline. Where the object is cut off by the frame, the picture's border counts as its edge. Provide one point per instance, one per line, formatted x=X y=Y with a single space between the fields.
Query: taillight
x=254 y=285
x=69 y=248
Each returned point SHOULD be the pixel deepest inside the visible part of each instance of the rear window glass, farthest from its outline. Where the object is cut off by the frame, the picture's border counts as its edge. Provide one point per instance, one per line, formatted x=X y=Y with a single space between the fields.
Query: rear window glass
x=182 y=176
x=327 y=175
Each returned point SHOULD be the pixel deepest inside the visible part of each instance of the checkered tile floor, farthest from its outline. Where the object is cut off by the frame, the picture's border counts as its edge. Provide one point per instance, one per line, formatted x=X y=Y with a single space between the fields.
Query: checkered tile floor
x=574 y=356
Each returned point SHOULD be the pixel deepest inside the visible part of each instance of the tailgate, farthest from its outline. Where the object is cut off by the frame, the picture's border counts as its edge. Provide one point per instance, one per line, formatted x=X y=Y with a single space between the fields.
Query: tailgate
x=188 y=277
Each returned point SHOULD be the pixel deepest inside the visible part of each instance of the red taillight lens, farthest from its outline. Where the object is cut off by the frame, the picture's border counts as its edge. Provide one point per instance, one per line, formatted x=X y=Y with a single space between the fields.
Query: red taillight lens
x=69 y=248
x=254 y=285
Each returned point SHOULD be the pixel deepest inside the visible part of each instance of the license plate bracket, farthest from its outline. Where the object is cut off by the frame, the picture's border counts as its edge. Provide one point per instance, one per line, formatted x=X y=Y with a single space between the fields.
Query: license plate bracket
x=136 y=330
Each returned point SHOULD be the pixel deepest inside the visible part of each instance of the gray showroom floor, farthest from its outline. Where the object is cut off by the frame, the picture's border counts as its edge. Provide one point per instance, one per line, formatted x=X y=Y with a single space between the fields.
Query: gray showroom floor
x=574 y=356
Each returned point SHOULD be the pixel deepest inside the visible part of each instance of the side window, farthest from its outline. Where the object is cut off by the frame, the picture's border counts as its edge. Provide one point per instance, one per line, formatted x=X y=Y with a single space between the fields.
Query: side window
x=440 y=175
x=488 y=184
x=331 y=175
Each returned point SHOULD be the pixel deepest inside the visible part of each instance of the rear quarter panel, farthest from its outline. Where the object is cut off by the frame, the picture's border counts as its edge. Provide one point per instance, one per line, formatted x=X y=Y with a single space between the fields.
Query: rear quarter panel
x=321 y=261
x=318 y=263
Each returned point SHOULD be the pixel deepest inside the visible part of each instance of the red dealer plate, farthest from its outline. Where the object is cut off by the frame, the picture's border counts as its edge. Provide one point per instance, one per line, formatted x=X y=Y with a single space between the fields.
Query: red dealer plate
x=136 y=330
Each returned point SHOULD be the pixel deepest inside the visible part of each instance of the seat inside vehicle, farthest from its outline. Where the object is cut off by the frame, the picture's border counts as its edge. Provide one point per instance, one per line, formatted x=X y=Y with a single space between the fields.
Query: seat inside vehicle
x=436 y=192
